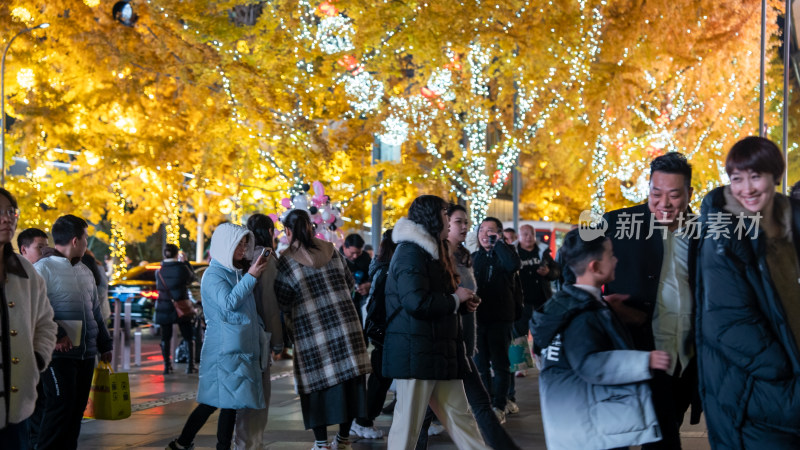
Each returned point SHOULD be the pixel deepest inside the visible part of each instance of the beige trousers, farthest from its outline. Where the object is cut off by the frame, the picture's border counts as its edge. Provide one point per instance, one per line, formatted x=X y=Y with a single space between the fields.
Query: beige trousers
x=448 y=402
x=251 y=423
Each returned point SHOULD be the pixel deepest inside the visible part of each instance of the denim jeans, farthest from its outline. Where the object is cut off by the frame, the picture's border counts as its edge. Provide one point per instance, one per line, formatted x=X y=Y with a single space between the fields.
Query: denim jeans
x=494 y=338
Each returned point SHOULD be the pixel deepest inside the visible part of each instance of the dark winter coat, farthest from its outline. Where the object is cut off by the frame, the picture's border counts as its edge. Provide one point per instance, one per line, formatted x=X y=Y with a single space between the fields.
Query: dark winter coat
x=748 y=361
x=494 y=272
x=639 y=266
x=536 y=288
x=592 y=385
x=423 y=336
x=375 y=323
x=177 y=275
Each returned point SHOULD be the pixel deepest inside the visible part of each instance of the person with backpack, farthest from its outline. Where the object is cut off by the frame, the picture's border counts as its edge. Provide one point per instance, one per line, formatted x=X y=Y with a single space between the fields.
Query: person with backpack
x=375 y=329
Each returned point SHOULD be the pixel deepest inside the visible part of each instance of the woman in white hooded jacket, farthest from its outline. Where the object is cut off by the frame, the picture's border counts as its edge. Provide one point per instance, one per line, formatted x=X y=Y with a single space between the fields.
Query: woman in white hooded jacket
x=232 y=359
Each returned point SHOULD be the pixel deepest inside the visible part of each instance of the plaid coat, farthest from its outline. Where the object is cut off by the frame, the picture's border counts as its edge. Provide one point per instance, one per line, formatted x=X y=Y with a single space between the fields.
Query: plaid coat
x=322 y=320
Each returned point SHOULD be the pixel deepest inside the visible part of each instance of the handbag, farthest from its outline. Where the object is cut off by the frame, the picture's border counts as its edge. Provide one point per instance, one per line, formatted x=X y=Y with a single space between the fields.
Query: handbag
x=110 y=397
x=184 y=307
x=519 y=354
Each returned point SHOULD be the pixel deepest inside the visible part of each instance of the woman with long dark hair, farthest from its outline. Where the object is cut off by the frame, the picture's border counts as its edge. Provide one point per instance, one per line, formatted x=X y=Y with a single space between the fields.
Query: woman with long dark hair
x=479 y=400
x=748 y=304
x=330 y=359
x=375 y=329
x=424 y=345
x=172 y=281
x=251 y=422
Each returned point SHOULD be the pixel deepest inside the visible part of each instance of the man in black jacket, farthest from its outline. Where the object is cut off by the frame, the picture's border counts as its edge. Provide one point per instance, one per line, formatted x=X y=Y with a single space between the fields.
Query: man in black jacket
x=656 y=245
x=358 y=262
x=496 y=264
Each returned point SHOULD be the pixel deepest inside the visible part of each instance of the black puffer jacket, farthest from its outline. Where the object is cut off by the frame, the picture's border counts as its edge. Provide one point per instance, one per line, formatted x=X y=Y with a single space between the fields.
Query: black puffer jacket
x=375 y=323
x=494 y=272
x=423 y=333
x=748 y=362
x=177 y=275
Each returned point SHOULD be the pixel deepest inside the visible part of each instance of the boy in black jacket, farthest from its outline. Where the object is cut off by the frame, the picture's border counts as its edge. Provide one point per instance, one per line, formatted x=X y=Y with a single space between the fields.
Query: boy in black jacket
x=591 y=384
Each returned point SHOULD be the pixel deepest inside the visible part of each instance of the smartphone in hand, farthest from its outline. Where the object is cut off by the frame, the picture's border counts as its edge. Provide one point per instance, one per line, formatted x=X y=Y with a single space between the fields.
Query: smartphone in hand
x=266 y=252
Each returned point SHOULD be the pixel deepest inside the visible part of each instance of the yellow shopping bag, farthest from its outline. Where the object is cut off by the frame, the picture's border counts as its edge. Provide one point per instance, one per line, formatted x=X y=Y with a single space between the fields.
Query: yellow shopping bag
x=110 y=397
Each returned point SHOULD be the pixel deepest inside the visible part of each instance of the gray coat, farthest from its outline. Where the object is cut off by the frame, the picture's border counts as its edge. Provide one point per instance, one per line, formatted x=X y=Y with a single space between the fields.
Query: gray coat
x=592 y=385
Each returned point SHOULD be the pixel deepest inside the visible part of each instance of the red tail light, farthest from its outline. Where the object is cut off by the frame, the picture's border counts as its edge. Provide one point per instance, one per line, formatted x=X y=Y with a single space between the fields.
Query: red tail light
x=150 y=294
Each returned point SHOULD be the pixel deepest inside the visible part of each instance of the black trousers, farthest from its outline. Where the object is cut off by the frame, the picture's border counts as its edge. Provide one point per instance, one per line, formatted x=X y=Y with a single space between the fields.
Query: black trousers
x=63 y=392
x=198 y=418
x=672 y=396
x=377 y=387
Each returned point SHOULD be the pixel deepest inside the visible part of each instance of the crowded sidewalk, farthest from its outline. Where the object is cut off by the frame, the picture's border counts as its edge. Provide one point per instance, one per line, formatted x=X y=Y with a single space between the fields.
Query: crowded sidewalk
x=160 y=408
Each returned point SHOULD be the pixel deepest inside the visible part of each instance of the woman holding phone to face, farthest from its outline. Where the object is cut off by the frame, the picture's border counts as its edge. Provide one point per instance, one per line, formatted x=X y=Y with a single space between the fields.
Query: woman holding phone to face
x=233 y=355
x=313 y=287
x=251 y=423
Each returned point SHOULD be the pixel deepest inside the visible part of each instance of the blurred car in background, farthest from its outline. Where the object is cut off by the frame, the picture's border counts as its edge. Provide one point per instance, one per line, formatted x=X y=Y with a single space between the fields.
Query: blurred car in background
x=138 y=286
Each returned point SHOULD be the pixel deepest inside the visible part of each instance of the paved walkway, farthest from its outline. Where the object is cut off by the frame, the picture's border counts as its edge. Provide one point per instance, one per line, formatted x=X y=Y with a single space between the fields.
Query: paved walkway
x=162 y=403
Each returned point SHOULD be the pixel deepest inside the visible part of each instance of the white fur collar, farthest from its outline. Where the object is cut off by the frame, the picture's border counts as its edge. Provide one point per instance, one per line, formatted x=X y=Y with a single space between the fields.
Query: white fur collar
x=407 y=231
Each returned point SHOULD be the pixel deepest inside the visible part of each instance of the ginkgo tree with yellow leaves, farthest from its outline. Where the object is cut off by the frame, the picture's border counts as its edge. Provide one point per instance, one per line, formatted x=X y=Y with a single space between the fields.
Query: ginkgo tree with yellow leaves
x=203 y=111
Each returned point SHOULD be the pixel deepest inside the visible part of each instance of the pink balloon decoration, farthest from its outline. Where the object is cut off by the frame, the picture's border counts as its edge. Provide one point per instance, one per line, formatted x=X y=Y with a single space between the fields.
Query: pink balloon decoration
x=319 y=189
x=286 y=203
x=318 y=219
x=274 y=217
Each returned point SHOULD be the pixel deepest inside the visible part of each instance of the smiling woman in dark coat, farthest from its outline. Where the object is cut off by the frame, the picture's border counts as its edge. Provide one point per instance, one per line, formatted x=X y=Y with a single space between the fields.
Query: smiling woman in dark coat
x=748 y=305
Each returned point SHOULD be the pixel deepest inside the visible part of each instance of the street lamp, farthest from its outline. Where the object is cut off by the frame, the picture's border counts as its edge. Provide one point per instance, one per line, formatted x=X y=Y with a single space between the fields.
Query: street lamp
x=3 y=103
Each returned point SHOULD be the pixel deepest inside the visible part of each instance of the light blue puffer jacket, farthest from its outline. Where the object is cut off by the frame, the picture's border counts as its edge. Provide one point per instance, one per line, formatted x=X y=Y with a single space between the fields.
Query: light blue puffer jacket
x=230 y=362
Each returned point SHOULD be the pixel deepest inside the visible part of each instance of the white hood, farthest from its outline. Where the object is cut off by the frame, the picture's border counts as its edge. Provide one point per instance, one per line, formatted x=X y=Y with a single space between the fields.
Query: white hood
x=224 y=241
x=407 y=231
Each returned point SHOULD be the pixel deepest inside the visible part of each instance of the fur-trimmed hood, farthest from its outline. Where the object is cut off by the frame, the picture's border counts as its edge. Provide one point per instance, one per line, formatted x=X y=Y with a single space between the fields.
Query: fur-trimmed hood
x=406 y=230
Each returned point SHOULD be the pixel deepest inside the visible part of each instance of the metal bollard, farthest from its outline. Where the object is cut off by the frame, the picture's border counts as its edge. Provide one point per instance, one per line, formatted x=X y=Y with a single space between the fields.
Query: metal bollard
x=137 y=348
x=116 y=352
x=126 y=348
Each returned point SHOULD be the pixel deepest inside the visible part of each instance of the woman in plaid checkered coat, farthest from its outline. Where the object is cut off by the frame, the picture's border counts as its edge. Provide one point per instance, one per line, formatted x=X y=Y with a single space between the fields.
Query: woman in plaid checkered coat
x=330 y=359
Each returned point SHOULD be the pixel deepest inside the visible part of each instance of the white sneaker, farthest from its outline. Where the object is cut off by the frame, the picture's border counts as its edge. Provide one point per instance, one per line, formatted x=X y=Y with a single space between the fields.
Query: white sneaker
x=323 y=447
x=501 y=416
x=336 y=445
x=435 y=429
x=521 y=373
x=366 y=432
x=511 y=407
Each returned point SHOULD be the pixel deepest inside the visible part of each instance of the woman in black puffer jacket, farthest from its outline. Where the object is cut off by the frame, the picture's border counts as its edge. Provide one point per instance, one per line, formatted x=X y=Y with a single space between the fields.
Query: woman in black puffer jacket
x=375 y=329
x=424 y=345
x=748 y=305
x=172 y=281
